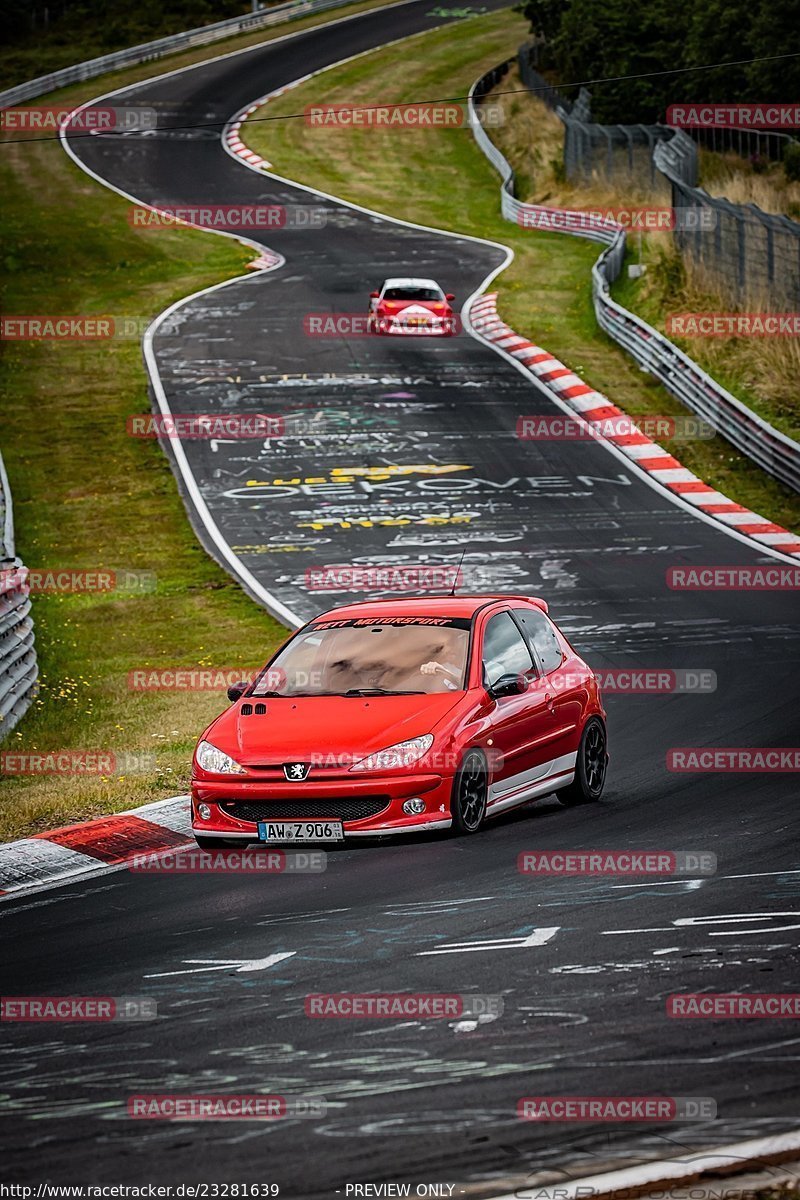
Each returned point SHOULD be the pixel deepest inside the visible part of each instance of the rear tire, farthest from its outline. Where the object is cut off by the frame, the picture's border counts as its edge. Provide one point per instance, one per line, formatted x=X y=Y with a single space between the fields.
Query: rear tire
x=470 y=794
x=590 y=766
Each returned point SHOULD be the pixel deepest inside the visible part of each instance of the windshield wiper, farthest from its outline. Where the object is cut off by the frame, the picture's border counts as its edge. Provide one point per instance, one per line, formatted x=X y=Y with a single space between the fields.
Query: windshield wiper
x=377 y=691
x=289 y=695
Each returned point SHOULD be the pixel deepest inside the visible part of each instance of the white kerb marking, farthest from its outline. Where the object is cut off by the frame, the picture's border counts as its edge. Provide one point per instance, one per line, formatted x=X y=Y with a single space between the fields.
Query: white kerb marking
x=240 y=965
x=539 y=937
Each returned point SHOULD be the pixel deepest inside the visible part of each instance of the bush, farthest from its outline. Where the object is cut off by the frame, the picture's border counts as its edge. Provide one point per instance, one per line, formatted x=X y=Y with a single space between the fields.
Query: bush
x=791 y=161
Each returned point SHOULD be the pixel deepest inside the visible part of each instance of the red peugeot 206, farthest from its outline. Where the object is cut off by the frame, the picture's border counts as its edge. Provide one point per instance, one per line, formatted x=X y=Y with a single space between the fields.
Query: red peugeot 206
x=411 y=307
x=396 y=716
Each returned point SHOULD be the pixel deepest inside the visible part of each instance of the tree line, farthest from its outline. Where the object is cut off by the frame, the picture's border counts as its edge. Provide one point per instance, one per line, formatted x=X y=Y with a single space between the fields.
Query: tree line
x=584 y=39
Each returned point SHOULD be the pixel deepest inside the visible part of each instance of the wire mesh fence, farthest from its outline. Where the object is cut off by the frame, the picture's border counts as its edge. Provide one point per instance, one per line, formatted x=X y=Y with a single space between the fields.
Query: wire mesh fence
x=750 y=144
x=751 y=256
x=771 y=449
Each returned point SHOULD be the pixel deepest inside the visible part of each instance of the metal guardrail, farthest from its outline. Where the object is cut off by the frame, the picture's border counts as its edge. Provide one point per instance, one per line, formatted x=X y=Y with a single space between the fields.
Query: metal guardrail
x=18 y=666
x=772 y=450
x=150 y=51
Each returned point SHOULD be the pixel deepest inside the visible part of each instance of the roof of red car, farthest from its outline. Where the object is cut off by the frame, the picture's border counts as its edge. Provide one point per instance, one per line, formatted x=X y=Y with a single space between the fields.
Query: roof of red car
x=425 y=606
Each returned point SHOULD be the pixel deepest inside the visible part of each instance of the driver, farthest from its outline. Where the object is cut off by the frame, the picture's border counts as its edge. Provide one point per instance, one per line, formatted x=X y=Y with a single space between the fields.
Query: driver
x=449 y=673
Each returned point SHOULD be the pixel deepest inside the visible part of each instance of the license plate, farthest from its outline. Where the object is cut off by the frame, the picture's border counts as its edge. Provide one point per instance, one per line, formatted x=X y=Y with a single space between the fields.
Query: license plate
x=300 y=831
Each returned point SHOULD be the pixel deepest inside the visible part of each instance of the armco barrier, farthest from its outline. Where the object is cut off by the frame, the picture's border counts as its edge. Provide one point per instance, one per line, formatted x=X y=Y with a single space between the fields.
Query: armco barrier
x=18 y=667
x=149 y=51
x=760 y=441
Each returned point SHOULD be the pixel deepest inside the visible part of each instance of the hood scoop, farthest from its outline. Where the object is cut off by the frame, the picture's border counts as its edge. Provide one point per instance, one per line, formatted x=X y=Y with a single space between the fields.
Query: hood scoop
x=247 y=709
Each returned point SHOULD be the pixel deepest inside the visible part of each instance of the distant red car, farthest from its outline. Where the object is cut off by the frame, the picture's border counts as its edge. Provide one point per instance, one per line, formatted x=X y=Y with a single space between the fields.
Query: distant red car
x=411 y=307
x=400 y=715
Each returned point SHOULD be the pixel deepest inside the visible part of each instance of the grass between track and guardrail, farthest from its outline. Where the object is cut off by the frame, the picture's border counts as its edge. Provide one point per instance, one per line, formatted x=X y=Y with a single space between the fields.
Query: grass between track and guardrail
x=89 y=497
x=439 y=177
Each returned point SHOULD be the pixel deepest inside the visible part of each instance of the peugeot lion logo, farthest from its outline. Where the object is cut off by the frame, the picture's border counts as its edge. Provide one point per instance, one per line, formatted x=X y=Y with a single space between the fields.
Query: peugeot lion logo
x=296 y=772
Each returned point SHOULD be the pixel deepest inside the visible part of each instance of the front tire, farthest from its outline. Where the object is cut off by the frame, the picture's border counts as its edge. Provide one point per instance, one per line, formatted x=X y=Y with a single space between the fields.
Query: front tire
x=590 y=766
x=470 y=794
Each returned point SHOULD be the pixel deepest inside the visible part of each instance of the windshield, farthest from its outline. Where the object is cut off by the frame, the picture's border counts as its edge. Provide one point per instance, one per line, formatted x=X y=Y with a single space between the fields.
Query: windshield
x=385 y=656
x=413 y=293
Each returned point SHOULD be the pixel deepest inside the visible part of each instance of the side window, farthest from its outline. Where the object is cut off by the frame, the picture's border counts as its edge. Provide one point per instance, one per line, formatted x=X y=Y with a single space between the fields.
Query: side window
x=542 y=636
x=504 y=650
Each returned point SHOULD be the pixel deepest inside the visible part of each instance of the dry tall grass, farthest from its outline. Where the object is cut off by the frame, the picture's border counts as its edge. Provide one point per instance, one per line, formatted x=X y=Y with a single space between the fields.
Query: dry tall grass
x=762 y=371
x=733 y=177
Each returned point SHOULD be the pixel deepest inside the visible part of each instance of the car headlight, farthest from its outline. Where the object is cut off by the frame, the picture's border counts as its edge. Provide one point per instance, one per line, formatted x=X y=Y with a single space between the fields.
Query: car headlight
x=393 y=758
x=209 y=758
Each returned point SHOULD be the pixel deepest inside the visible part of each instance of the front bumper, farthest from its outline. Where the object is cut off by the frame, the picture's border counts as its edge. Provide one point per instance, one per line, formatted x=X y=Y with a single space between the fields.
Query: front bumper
x=273 y=800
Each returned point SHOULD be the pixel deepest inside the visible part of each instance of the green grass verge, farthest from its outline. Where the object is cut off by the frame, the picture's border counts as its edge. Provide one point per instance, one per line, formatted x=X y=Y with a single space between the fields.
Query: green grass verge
x=440 y=177
x=87 y=496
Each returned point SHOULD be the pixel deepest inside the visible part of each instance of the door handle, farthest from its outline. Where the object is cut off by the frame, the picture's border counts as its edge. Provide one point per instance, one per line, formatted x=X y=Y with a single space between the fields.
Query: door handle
x=548 y=699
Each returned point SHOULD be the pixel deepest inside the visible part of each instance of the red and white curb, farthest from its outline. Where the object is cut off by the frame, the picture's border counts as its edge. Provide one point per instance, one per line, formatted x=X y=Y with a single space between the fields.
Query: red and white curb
x=231 y=136
x=598 y=411
x=94 y=847
x=232 y=141
x=266 y=261
x=237 y=146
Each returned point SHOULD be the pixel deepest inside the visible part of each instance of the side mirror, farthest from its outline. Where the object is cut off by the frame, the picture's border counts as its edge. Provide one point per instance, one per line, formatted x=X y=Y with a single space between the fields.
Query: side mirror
x=374 y=295
x=508 y=685
x=237 y=690
x=450 y=296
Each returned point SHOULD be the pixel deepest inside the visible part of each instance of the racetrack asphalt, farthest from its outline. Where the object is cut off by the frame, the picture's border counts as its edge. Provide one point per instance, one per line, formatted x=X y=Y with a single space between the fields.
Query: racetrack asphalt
x=584 y=1013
